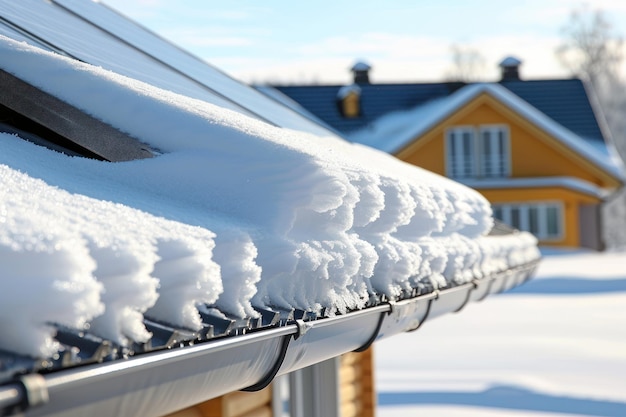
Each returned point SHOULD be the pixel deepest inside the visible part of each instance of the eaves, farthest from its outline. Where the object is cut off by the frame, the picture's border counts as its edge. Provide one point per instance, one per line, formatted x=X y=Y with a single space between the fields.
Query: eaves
x=163 y=381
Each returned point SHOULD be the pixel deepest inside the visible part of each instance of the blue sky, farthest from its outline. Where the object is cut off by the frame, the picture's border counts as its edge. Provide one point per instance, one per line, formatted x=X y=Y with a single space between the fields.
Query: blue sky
x=403 y=40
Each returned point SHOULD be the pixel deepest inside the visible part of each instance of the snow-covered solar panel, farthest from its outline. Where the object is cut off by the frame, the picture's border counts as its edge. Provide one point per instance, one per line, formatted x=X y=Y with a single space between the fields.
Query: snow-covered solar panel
x=97 y=34
x=188 y=64
x=86 y=42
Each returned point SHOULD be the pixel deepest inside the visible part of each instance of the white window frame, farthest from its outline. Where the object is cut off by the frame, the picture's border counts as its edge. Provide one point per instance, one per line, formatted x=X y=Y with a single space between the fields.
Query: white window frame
x=456 y=162
x=542 y=208
x=501 y=160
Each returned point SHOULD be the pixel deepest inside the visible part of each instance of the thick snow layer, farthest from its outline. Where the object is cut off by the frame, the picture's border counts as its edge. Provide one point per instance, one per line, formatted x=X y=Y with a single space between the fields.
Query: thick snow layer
x=555 y=346
x=47 y=273
x=236 y=213
x=133 y=256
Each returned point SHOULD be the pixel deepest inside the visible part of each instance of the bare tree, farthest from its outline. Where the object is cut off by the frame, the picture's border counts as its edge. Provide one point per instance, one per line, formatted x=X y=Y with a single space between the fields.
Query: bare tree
x=592 y=50
x=467 y=64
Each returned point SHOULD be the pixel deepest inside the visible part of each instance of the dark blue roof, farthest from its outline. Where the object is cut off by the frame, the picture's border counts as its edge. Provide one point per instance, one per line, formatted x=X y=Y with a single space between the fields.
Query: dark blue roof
x=376 y=100
x=565 y=101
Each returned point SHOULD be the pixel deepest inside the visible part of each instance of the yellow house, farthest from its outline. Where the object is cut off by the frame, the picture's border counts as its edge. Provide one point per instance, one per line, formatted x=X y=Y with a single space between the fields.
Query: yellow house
x=539 y=176
x=536 y=149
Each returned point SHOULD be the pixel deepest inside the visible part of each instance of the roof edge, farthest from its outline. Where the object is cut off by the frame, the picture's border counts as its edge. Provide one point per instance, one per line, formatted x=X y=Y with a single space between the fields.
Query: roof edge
x=571 y=183
x=600 y=116
x=166 y=381
x=558 y=131
x=73 y=124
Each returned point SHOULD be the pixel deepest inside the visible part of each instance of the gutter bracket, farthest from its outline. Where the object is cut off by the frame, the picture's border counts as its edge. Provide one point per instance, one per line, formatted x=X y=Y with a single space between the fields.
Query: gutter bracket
x=269 y=377
x=35 y=389
x=488 y=292
x=469 y=295
x=374 y=336
x=303 y=327
x=26 y=392
x=430 y=303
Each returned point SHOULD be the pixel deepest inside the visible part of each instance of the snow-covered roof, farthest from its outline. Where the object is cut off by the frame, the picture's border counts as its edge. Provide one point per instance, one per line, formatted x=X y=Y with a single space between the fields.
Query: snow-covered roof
x=233 y=218
x=347 y=90
x=361 y=66
x=510 y=61
x=394 y=131
x=304 y=222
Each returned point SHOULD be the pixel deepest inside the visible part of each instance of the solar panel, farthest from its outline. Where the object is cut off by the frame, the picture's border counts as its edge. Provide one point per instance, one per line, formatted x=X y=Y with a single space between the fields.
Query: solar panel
x=97 y=34
x=78 y=38
x=13 y=32
x=191 y=66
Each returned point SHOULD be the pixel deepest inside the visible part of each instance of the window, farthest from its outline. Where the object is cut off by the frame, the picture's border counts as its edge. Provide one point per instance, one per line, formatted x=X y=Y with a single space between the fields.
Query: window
x=350 y=106
x=349 y=101
x=552 y=220
x=544 y=220
x=482 y=152
x=493 y=151
x=460 y=146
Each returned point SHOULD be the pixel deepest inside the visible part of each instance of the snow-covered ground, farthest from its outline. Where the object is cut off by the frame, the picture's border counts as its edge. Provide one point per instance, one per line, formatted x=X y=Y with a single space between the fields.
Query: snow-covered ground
x=555 y=346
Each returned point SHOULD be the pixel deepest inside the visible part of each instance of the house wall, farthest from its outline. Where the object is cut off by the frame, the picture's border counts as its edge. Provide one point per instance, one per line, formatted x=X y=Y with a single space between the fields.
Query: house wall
x=356 y=378
x=234 y=404
x=357 y=394
x=591 y=227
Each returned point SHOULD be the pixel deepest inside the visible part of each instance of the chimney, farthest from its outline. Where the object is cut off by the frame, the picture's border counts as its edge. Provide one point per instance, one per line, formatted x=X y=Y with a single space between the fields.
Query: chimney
x=510 y=68
x=361 y=72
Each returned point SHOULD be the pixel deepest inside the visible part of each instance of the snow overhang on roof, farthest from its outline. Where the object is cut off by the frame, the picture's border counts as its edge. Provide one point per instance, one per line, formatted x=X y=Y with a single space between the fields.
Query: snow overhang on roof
x=246 y=250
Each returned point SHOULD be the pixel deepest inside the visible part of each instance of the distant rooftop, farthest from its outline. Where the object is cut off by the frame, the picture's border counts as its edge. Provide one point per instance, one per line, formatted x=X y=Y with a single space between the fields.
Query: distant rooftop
x=564 y=100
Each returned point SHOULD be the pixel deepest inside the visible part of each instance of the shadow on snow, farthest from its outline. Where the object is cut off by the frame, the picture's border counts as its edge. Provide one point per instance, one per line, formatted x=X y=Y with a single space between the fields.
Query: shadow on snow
x=568 y=285
x=511 y=398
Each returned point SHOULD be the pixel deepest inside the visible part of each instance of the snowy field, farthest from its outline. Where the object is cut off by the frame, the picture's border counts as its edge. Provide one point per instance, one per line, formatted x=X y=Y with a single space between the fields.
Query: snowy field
x=555 y=346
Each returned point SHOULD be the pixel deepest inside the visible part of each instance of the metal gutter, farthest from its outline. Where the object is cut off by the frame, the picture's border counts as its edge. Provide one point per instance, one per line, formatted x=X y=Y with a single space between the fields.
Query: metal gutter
x=163 y=381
